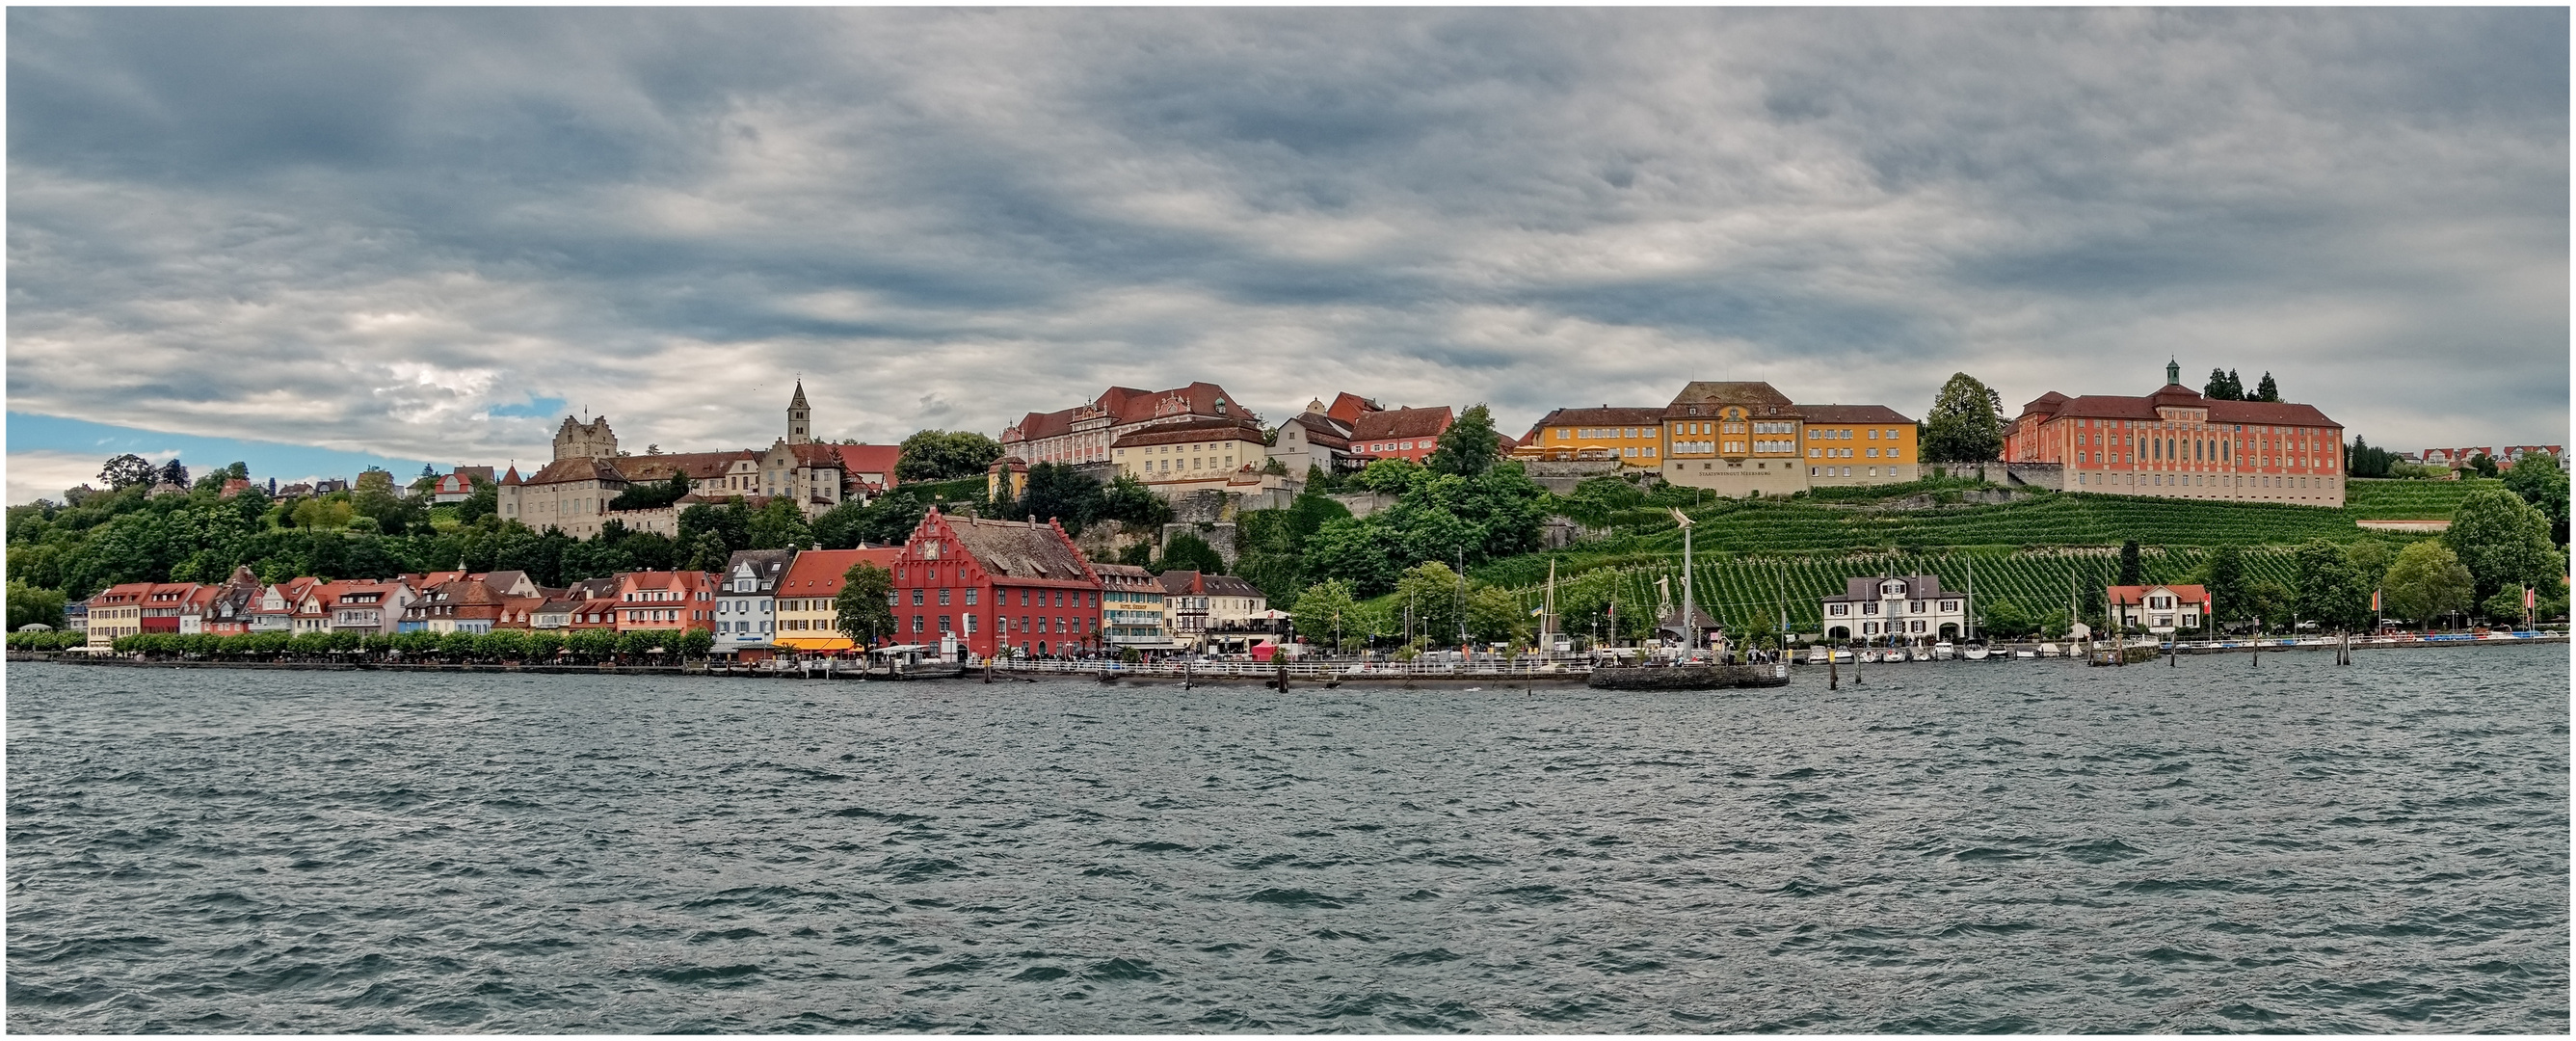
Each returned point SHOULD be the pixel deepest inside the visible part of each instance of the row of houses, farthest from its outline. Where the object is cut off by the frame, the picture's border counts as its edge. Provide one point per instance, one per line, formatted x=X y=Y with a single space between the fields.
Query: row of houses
x=1199 y=438
x=2458 y=459
x=961 y=585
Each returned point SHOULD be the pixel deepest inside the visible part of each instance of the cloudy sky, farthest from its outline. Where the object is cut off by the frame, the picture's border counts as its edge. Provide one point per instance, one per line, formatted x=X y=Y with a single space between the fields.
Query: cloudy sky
x=311 y=238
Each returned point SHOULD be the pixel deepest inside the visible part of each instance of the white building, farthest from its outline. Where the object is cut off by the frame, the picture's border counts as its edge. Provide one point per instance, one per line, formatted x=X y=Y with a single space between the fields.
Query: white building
x=1907 y=609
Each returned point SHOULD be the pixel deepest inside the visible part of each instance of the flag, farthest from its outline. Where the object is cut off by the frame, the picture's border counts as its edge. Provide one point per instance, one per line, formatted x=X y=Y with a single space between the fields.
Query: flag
x=2530 y=598
x=2374 y=600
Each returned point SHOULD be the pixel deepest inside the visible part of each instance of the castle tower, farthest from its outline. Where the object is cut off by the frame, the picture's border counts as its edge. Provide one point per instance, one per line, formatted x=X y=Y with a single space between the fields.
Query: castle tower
x=800 y=417
x=591 y=440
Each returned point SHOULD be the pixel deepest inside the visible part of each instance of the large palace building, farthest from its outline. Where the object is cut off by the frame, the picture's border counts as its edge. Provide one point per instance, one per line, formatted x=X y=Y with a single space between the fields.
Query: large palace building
x=2178 y=444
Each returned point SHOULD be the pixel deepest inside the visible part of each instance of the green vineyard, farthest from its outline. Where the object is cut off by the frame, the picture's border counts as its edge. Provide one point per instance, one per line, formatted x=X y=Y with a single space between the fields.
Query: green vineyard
x=2408 y=500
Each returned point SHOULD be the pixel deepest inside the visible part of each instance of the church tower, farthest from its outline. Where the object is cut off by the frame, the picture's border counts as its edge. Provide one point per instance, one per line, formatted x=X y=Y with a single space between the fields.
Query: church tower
x=800 y=417
x=574 y=440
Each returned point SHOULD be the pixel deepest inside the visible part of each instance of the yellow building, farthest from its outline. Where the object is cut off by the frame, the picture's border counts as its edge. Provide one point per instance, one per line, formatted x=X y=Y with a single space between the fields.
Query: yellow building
x=1733 y=438
x=1633 y=436
x=1858 y=444
x=807 y=618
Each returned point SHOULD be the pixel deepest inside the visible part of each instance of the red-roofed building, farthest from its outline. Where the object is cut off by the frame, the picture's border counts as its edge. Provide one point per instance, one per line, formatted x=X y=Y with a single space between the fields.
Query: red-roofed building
x=673 y=600
x=1399 y=433
x=985 y=587
x=807 y=619
x=2159 y=607
x=164 y=604
x=2175 y=443
x=116 y=611
x=1085 y=432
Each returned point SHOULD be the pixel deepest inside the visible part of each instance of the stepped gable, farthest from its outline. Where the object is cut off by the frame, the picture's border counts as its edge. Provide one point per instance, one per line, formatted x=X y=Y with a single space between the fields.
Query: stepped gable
x=1022 y=549
x=1850 y=414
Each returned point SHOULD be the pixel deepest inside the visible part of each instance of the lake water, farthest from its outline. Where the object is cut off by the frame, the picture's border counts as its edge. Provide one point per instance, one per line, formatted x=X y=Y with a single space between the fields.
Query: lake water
x=1951 y=847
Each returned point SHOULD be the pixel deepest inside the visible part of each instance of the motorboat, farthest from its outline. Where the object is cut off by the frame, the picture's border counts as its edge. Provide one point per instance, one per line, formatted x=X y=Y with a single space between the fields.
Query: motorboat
x=2049 y=650
x=1974 y=652
x=2025 y=654
x=1943 y=651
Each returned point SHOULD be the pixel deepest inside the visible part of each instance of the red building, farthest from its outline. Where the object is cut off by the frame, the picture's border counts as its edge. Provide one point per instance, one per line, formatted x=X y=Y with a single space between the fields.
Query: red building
x=1399 y=433
x=2178 y=444
x=163 y=605
x=673 y=600
x=996 y=586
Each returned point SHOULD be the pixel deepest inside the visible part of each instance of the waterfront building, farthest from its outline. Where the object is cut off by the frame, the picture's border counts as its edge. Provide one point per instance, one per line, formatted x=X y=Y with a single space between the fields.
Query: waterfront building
x=665 y=600
x=1633 y=436
x=1131 y=608
x=808 y=617
x=520 y=612
x=746 y=604
x=2175 y=443
x=462 y=604
x=275 y=612
x=1905 y=608
x=1086 y=433
x=161 y=606
x=362 y=606
x=1198 y=606
x=192 y=609
x=228 y=612
x=116 y=611
x=984 y=587
x=2160 y=606
x=76 y=616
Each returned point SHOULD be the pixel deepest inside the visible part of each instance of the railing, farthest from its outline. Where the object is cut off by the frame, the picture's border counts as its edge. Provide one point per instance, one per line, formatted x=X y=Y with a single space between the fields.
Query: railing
x=1310 y=670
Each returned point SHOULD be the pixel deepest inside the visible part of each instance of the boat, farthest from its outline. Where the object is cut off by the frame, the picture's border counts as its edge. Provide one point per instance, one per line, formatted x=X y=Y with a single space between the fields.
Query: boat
x=2025 y=654
x=2048 y=650
x=1974 y=652
x=1943 y=651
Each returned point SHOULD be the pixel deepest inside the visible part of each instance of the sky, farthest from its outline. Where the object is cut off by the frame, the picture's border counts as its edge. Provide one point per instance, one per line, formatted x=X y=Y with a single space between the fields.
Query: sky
x=315 y=238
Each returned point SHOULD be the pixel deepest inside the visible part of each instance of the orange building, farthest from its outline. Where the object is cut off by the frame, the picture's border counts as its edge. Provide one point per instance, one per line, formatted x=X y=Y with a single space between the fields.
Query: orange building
x=2176 y=443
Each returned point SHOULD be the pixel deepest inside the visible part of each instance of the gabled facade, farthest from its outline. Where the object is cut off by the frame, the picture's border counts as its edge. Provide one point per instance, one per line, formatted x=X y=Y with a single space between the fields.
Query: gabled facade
x=985 y=587
x=1313 y=439
x=1174 y=458
x=367 y=607
x=1086 y=432
x=2160 y=606
x=666 y=600
x=1904 y=608
x=275 y=612
x=1131 y=609
x=459 y=605
x=1399 y=433
x=746 y=602
x=116 y=611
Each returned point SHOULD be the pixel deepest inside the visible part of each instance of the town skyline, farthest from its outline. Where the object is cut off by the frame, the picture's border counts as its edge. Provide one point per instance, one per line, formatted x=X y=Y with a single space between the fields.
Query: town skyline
x=429 y=251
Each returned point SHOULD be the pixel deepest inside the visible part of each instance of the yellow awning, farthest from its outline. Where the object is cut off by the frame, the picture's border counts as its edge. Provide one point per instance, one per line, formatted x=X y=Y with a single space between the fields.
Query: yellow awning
x=835 y=643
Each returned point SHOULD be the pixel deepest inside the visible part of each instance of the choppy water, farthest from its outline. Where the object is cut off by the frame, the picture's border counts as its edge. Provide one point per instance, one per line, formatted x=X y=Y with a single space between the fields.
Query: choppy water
x=2024 y=846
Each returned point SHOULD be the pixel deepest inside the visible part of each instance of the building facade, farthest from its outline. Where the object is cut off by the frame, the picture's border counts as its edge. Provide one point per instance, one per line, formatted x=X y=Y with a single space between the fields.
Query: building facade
x=665 y=601
x=1087 y=432
x=986 y=587
x=808 y=618
x=1131 y=608
x=1399 y=433
x=1176 y=458
x=747 y=602
x=2174 y=443
x=2159 y=606
x=1903 y=609
x=1633 y=436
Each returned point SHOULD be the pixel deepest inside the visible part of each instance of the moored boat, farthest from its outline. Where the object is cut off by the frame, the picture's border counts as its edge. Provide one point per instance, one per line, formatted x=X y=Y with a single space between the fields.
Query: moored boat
x=1943 y=651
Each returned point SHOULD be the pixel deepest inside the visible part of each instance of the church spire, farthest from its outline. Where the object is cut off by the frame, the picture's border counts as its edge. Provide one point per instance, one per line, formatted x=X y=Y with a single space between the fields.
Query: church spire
x=800 y=417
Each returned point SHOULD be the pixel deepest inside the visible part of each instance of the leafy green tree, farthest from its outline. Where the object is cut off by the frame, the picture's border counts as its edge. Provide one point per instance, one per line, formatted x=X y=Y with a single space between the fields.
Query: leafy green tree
x=2133 y=570
x=1058 y=492
x=652 y=495
x=544 y=644
x=2539 y=481
x=174 y=472
x=1188 y=552
x=2504 y=541
x=2230 y=588
x=863 y=609
x=729 y=522
x=2362 y=460
x=1470 y=445
x=2224 y=386
x=1966 y=424
x=1128 y=501
x=779 y=525
x=706 y=552
x=1386 y=475
x=1327 y=610
x=592 y=644
x=2484 y=466
x=940 y=455
x=1494 y=615
x=508 y=644
x=840 y=527
x=2266 y=390
x=1431 y=590
x=693 y=643
x=2426 y=582
x=29 y=605
x=2328 y=590
x=2369 y=559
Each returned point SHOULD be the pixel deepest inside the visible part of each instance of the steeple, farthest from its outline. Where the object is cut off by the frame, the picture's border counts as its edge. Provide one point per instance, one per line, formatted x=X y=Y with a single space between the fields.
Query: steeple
x=2173 y=373
x=800 y=417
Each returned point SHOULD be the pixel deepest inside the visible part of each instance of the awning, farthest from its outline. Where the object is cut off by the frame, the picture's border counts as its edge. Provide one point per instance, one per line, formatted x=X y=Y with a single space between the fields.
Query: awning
x=800 y=643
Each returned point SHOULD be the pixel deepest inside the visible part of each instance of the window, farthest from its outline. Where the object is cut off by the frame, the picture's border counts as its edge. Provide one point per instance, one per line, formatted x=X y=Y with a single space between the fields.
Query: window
x=970 y=596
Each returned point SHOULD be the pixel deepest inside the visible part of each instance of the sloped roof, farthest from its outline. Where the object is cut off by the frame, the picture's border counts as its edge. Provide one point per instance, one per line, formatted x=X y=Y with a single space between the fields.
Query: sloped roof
x=1021 y=549
x=1865 y=587
x=699 y=466
x=1348 y=407
x=1850 y=414
x=1606 y=415
x=817 y=572
x=2112 y=406
x=1749 y=394
x=1324 y=430
x=1194 y=430
x=767 y=565
x=585 y=468
x=1401 y=422
x=1126 y=405
x=1228 y=585
x=2127 y=596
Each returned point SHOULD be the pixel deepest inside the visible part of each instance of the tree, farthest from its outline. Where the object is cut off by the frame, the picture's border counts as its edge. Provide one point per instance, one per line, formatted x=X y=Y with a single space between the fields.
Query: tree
x=2361 y=460
x=1387 y=475
x=1966 y=424
x=2133 y=571
x=2224 y=386
x=2484 y=466
x=863 y=609
x=2503 y=540
x=729 y=523
x=1058 y=492
x=1327 y=611
x=2327 y=590
x=1188 y=552
x=2369 y=560
x=1494 y=615
x=1431 y=591
x=1128 y=501
x=693 y=643
x=652 y=495
x=940 y=455
x=126 y=471
x=2271 y=602
x=174 y=473
x=779 y=525
x=29 y=605
x=2428 y=581
x=2537 y=478
x=1470 y=445
x=706 y=552
x=2230 y=591
x=2266 y=390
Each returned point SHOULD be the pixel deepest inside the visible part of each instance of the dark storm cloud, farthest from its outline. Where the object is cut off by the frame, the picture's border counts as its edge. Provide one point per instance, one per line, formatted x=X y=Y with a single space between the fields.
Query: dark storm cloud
x=381 y=230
